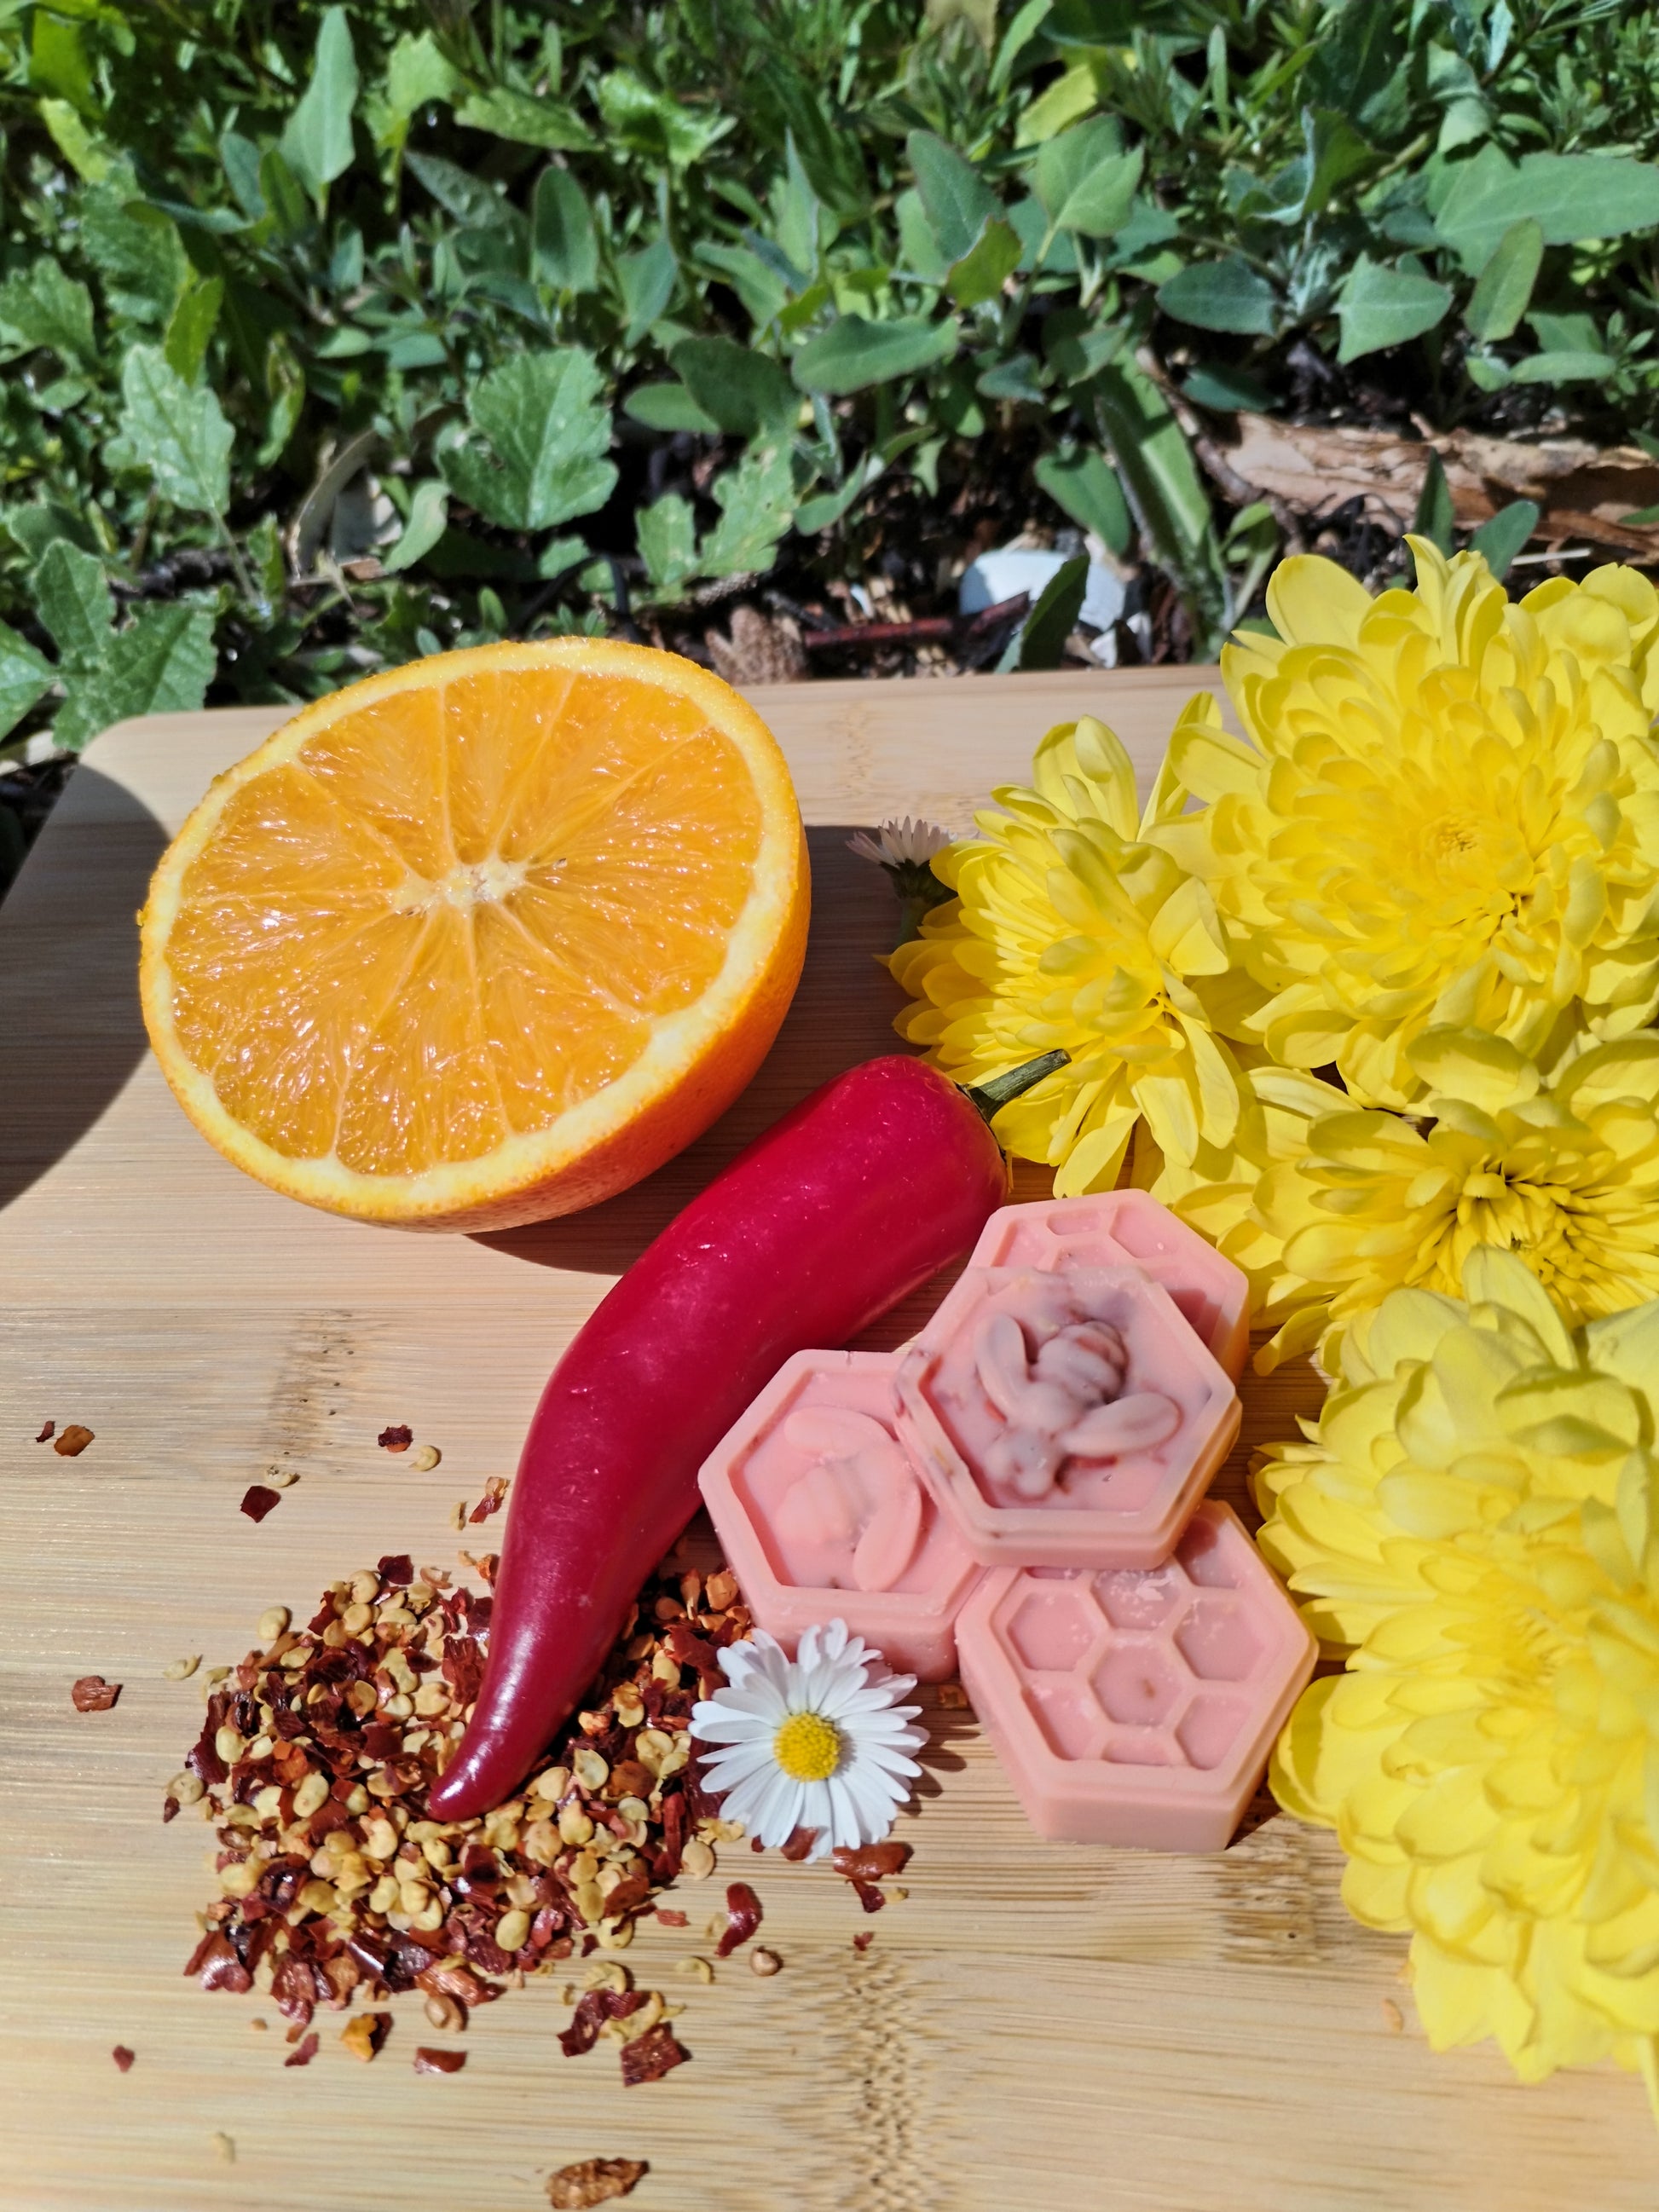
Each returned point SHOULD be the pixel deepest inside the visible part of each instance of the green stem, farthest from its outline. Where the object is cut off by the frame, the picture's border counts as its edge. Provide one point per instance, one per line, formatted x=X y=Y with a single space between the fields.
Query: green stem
x=990 y=1097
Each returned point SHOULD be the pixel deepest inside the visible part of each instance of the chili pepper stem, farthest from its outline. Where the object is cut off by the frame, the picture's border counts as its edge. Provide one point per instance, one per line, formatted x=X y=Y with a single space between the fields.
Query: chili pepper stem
x=992 y=1096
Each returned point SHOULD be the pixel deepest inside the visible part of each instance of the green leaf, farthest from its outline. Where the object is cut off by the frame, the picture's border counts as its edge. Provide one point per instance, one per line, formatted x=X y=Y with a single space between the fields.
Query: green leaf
x=1570 y=196
x=739 y=391
x=160 y=664
x=192 y=324
x=137 y=250
x=1068 y=97
x=558 y=555
x=957 y=200
x=85 y=154
x=1221 y=295
x=1017 y=36
x=25 y=676
x=417 y=73
x=1166 y=492
x=1502 y=539
x=526 y=120
x=985 y=267
x=542 y=415
x=429 y=517
x=1225 y=390
x=756 y=501
x=41 y=306
x=667 y=407
x=1380 y=306
x=285 y=196
x=1016 y=378
x=565 y=249
x=316 y=141
x=1436 y=515
x=797 y=222
x=668 y=544
x=1563 y=367
x=175 y=431
x=1043 y=635
x=816 y=514
x=459 y=194
x=758 y=284
x=918 y=250
x=1500 y=297
x=1076 y=343
x=32 y=528
x=72 y=595
x=852 y=354
x=655 y=123
x=1086 y=182
x=648 y=280
x=1083 y=483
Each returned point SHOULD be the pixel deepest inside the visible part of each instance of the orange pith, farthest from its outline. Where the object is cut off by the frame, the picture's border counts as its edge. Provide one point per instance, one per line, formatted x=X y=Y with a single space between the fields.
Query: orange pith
x=482 y=939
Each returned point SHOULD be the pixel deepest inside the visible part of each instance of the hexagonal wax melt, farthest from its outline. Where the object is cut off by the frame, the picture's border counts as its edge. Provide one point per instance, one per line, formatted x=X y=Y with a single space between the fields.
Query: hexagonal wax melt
x=1125 y=1228
x=820 y=1511
x=1065 y=1419
x=1138 y=1707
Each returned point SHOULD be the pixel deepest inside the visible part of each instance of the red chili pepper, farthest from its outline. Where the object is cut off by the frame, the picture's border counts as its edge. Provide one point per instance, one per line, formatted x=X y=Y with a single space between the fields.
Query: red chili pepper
x=852 y=1200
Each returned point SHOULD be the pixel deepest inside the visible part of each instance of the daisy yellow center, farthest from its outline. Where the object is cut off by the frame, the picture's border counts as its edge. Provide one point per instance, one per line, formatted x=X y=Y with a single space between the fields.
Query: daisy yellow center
x=807 y=1747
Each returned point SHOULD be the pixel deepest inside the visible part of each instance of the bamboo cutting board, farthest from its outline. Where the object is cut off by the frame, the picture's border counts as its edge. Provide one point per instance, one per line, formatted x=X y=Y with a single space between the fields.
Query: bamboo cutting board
x=1036 y=2027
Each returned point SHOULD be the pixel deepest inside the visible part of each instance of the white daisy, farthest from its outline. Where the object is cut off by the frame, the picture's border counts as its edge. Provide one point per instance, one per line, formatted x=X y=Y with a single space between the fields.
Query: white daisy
x=817 y=1741
x=900 y=844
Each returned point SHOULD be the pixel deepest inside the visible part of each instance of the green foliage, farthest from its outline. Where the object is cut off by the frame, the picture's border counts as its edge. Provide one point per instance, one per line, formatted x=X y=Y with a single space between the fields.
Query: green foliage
x=325 y=323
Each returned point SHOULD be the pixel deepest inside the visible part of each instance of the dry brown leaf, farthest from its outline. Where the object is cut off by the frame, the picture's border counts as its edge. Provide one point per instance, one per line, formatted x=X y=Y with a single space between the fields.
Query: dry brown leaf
x=760 y=649
x=1582 y=490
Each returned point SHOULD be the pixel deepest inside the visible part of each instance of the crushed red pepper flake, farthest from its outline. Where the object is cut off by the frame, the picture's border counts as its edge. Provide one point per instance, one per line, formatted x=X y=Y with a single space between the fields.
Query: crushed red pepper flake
x=864 y=1939
x=868 y=1865
x=319 y=1751
x=670 y=1918
x=429 y=2060
x=395 y=1439
x=257 y=1500
x=46 y=1433
x=800 y=1844
x=396 y=1570
x=743 y=1918
x=123 y=2056
x=494 y=1498
x=594 y=2181
x=73 y=1441
x=305 y=2051
x=93 y=1694
x=650 y=2056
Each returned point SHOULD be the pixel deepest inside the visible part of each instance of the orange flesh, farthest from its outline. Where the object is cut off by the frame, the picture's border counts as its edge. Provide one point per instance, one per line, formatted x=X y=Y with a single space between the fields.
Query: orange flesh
x=458 y=912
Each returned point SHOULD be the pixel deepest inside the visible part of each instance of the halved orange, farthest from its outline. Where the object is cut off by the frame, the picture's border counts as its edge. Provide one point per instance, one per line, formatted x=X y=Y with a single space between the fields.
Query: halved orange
x=484 y=939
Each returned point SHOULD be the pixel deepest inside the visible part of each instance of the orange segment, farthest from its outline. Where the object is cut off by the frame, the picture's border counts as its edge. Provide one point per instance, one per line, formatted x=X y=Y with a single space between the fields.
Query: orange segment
x=483 y=938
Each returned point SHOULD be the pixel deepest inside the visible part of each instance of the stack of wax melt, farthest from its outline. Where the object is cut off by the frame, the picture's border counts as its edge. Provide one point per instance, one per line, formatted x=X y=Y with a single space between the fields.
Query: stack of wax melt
x=1019 y=1495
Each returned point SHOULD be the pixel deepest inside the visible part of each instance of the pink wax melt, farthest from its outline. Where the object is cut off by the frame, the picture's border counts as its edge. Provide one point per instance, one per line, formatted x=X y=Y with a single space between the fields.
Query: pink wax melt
x=1069 y=1418
x=1138 y=1706
x=1125 y=1227
x=819 y=1508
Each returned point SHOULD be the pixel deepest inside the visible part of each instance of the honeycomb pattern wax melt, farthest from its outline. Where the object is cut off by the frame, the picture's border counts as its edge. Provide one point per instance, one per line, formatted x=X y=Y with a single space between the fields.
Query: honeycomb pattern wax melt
x=1138 y=1706
x=1062 y=1419
x=820 y=1509
x=1127 y=1229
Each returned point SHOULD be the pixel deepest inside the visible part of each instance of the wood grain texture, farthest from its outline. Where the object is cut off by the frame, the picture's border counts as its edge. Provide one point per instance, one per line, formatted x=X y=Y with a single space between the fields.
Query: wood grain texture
x=1034 y=2027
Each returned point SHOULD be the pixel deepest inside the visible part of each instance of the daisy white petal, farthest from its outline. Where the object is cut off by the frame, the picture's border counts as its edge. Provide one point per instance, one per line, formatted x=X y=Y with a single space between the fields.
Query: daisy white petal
x=819 y=1742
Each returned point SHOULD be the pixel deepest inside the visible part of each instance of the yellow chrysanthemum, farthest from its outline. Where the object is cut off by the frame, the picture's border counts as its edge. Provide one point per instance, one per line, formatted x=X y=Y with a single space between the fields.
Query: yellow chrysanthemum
x=1330 y=1206
x=1072 y=929
x=1476 y=1516
x=1447 y=813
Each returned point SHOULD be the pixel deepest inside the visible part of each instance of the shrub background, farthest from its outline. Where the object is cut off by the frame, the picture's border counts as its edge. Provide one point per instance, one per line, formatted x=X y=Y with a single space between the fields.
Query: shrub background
x=337 y=335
